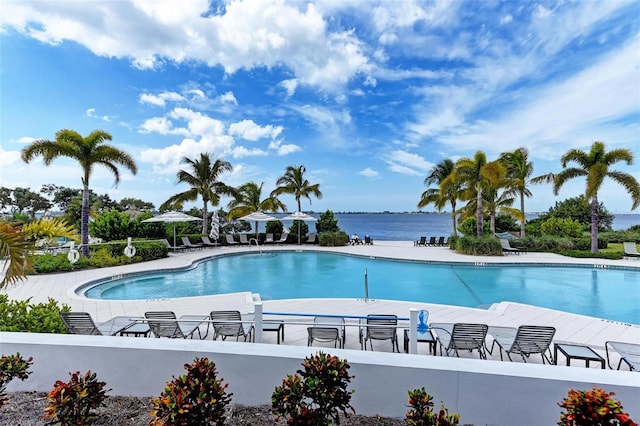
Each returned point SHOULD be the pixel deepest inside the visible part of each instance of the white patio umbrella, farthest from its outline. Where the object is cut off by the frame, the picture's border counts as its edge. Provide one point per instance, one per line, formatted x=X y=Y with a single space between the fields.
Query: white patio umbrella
x=215 y=226
x=172 y=217
x=257 y=217
x=300 y=216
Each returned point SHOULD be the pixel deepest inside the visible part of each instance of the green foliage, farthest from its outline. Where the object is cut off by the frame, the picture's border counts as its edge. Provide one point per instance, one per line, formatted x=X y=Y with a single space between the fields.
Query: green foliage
x=274 y=227
x=303 y=228
x=422 y=414
x=333 y=239
x=72 y=403
x=145 y=250
x=327 y=222
x=586 y=254
x=48 y=229
x=485 y=246
x=592 y=408
x=621 y=236
x=577 y=208
x=557 y=244
x=12 y=367
x=504 y=223
x=152 y=230
x=111 y=225
x=24 y=316
x=316 y=395
x=197 y=398
x=560 y=227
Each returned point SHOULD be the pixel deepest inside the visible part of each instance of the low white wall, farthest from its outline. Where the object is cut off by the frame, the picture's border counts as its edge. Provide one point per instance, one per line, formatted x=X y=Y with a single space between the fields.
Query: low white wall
x=482 y=392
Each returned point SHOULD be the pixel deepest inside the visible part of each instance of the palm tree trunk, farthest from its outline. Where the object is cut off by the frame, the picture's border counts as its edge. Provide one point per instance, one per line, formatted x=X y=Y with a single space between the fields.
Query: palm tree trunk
x=454 y=223
x=479 y=218
x=594 y=224
x=493 y=222
x=84 y=219
x=523 y=216
x=205 y=218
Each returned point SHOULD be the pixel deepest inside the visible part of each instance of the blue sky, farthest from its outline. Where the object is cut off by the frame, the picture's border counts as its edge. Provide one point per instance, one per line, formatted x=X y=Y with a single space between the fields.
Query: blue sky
x=367 y=95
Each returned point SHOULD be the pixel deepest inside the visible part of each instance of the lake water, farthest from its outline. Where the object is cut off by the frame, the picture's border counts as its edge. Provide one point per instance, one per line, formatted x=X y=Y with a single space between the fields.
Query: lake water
x=410 y=226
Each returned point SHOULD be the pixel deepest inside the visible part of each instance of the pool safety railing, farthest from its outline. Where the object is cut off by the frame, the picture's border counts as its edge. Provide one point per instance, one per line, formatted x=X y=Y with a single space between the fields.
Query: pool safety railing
x=366 y=286
x=255 y=240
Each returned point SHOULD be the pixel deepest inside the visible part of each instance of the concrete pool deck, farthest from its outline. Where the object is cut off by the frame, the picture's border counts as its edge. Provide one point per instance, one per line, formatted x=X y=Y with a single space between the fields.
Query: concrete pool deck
x=578 y=329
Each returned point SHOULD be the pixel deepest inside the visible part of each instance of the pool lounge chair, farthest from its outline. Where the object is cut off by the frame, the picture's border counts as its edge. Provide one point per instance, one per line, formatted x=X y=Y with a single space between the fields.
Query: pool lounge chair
x=229 y=324
x=441 y=242
x=526 y=340
x=432 y=241
x=186 y=242
x=231 y=241
x=421 y=242
x=311 y=239
x=379 y=327
x=283 y=238
x=327 y=329
x=629 y=354
x=453 y=338
x=170 y=247
x=208 y=243
x=269 y=239
x=244 y=240
x=165 y=324
x=630 y=249
x=79 y=323
x=506 y=247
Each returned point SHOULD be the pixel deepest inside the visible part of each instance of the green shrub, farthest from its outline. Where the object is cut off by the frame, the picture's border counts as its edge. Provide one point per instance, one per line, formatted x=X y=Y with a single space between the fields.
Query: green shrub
x=333 y=239
x=560 y=227
x=23 y=316
x=274 y=227
x=586 y=254
x=316 y=395
x=327 y=223
x=12 y=367
x=111 y=225
x=592 y=408
x=72 y=403
x=584 y=243
x=145 y=250
x=197 y=398
x=485 y=246
x=422 y=414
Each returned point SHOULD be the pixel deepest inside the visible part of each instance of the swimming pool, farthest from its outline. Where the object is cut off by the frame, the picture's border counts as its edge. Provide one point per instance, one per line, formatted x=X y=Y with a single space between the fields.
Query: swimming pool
x=609 y=293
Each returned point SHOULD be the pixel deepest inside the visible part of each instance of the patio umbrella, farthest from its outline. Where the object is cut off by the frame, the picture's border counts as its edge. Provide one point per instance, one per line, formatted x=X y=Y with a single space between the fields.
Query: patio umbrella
x=257 y=217
x=215 y=226
x=172 y=217
x=300 y=216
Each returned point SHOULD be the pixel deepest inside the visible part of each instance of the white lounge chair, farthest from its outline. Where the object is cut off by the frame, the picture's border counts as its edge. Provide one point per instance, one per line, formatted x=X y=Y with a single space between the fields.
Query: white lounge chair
x=629 y=354
x=630 y=249
x=311 y=239
x=283 y=238
x=231 y=241
x=506 y=247
x=79 y=323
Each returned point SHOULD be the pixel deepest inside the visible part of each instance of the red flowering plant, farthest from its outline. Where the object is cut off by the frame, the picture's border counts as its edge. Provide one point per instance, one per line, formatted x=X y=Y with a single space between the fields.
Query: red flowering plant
x=593 y=408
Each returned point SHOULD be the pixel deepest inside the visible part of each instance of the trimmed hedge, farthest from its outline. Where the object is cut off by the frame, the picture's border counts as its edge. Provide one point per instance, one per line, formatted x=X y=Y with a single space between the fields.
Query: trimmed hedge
x=333 y=239
x=485 y=246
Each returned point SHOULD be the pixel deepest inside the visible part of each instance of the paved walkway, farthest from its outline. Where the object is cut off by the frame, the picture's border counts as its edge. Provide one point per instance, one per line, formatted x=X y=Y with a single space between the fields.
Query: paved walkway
x=570 y=327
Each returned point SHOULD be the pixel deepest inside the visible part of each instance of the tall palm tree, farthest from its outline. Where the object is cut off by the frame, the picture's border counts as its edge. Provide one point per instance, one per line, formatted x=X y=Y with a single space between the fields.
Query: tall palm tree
x=448 y=191
x=203 y=179
x=595 y=166
x=519 y=170
x=249 y=200
x=293 y=182
x=89 y=151
x=475 y=173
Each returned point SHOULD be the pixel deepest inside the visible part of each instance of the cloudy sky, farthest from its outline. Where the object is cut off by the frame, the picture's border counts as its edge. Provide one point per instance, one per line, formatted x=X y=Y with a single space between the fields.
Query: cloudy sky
x=367 y=95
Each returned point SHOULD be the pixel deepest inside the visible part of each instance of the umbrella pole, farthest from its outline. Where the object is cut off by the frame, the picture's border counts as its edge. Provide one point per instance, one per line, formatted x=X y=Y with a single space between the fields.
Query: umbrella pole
x=298 y=233
x=174 y=237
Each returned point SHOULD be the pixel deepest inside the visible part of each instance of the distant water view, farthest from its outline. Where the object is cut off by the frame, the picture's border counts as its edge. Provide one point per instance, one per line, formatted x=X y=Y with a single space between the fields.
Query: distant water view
x=410 y=226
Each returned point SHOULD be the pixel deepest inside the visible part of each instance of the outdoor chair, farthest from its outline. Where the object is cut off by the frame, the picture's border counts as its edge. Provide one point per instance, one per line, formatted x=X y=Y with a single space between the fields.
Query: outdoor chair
x=368 y=241
x=283 y=238
x=165 y=324
x=268 y=239
x=506 y=247
x=231 y=241
x=327 y=329
x=79 y=323
x=432 y=241
x=379 y=327
x=244 y=240
x=170 y=247
x=629 y=354
x=311 y=239
x=186 y=242
x=208 y=243
x=453 y=338
x=229 y=324
x=630 y=249
x=525 y=340
x=441 y=242
x=421 y=242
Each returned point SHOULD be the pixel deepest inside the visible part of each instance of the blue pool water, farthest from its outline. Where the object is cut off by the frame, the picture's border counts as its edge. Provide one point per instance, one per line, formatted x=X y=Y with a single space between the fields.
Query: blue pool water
x=605 y=293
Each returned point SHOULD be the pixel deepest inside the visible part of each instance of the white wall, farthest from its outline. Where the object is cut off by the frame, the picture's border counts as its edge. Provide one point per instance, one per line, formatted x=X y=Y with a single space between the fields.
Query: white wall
x=482 y=392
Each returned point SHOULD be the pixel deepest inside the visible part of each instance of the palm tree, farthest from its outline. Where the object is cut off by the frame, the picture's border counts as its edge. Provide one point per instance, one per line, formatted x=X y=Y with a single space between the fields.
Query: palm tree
x=203 y=179
x=249 y=200
x=13 y=252
x=519 y=170
x=293 y=182
x=595 y=166
x=477 y=176
x=448 y=191
x=89 y=151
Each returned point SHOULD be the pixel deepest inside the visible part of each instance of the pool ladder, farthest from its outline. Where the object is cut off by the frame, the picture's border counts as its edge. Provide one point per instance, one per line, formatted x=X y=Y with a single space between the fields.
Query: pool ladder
x=257 y=245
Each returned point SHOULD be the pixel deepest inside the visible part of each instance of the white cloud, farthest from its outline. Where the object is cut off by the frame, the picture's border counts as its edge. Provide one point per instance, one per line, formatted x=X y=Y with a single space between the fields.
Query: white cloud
x=161 y=125
x=228 y=98
x=507 y=19
x=8 y=158
x=241 y=152
x=368 y=172
x=26 y=140
x=91 y=114
x=290 y=86
x=161 y=98
x=283 y=149
x=249 y=130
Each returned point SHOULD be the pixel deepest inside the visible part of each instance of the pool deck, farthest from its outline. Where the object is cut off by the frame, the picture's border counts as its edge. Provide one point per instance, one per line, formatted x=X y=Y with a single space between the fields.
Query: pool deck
x=578 y=329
